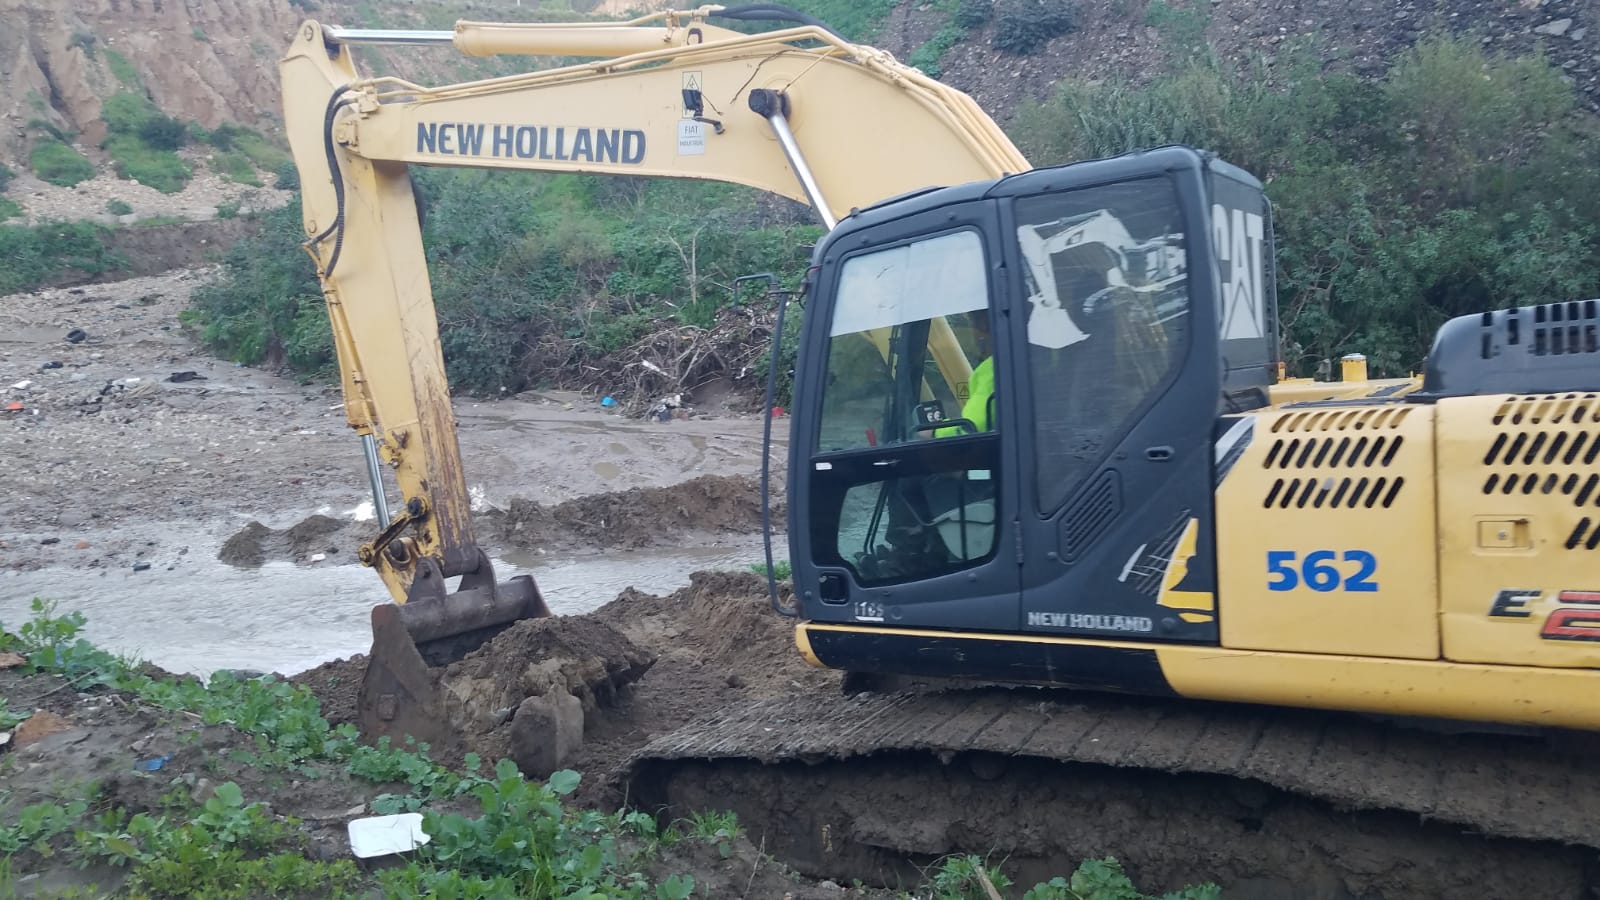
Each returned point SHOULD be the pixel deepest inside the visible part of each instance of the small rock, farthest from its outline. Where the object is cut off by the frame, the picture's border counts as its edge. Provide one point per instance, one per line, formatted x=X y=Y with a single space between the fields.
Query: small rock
x=78 y=335
x=81 y=545
x=141 y=566
x=736 y=681
x=1555 y=29
x=50 y=540
x=1579 y=34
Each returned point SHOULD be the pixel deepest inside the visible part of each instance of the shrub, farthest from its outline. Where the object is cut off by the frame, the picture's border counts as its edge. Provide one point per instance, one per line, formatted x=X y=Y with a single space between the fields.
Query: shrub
x=287 y=177
x=118 y=208
x=163 y=133
x=1457 y=184
x=35 y=254
x=59 y=164
x=142 y=142
x=974 y=13
x=1023 y=27
x=5 y=177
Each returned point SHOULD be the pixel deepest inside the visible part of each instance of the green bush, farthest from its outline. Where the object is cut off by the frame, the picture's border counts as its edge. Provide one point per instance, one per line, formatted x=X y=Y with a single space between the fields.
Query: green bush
x=59 y=164
x=974 y=13
x=35 y=254
x=6 y=174
x=118 y=207
x=1461 y=182
x=9 y=209
x=1023 y=27
x=287 y=176
x=142 y=142
x=534 y=276
x=269 y=303
x=163 y=133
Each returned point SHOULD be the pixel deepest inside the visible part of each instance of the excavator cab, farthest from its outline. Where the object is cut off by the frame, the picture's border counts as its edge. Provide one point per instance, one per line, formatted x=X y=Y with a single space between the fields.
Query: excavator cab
x=1130 y=303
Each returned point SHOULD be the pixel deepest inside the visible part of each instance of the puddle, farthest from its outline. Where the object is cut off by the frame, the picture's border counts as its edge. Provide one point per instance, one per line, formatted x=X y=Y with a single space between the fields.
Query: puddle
x=286 y=618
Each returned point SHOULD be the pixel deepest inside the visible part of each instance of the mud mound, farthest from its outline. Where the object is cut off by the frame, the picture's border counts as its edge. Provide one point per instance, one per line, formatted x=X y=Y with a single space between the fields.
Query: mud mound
x=638 y=517
x=722 y=619
x=256 y=544
x=336 y=685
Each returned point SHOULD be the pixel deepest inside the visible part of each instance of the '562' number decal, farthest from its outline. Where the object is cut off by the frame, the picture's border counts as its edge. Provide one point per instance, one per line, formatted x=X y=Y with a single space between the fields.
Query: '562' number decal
x=1320 y=571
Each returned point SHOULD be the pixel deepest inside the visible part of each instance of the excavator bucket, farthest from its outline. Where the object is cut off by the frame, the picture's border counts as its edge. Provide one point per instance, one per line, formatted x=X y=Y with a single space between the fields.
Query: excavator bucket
x=412 y=642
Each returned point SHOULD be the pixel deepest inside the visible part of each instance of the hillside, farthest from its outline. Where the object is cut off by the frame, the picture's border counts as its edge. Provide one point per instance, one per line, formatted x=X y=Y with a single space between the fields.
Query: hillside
x=213 y=61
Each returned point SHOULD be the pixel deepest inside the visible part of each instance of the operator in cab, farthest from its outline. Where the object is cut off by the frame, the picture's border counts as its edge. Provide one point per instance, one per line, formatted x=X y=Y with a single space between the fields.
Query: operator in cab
x=980 y=387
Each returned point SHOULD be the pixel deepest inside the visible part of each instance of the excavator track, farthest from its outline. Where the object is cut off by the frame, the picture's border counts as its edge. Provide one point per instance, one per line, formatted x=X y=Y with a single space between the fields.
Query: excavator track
x=1264 y=801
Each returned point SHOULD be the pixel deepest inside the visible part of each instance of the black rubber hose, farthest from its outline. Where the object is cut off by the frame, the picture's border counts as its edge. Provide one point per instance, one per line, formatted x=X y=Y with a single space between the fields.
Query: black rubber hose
x=337 y=227
x=766 y=459
x=772 y=12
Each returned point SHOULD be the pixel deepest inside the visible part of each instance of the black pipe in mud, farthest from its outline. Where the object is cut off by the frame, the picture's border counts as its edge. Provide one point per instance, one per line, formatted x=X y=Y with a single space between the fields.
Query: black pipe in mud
x=881 y=817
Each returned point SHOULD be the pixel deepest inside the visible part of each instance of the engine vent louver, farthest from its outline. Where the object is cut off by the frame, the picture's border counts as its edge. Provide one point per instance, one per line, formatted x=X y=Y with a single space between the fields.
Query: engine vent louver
x=1090 y=514
x=1549 y=445
x=1336 y=441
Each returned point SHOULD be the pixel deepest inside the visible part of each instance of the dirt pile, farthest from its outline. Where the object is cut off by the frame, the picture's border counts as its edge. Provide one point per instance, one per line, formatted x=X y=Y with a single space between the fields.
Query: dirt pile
x=634 y=518
x=527 y=695
x=255 y=543
x=640 y=666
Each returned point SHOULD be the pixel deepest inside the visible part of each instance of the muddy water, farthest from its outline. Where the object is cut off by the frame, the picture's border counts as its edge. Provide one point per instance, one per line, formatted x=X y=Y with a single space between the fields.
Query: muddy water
x=286 y=618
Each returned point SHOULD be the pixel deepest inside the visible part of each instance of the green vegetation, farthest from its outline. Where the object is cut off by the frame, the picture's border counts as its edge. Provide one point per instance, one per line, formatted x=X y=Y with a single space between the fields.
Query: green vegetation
x=855 y=20
x=53 y=161
x=534 y=276
x=35 y=254
x=143 y=142
x=1462 y=182
x=493 y=835
x=6 y=174
x=782 y=569
x=235 y=166
x=1023 y=27
x=122 y=69
x=969 y=877
x=9 y=209
x=118 y=207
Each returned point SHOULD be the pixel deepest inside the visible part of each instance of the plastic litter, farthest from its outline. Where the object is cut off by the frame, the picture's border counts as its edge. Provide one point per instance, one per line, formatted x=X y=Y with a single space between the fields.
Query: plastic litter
x=152 y=765
x=608 y=402
x=384 y=835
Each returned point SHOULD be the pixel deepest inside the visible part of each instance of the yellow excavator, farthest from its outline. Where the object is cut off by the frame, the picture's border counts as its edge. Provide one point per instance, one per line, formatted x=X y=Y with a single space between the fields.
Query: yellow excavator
x=1041 y=439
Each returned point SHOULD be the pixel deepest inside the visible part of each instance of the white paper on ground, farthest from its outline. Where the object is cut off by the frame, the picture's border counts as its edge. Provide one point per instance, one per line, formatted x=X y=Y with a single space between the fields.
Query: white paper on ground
x=383 y=835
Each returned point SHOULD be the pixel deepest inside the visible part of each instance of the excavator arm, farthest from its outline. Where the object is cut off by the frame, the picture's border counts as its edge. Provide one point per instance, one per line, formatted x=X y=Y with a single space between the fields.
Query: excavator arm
x=798 y=112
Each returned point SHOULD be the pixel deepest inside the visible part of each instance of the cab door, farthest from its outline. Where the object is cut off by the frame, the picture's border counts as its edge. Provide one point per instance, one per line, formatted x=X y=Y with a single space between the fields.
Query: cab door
x=905 y=491
x=1120 y=384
